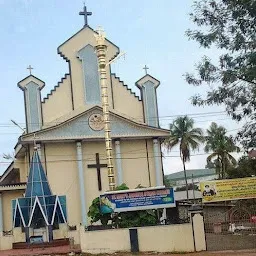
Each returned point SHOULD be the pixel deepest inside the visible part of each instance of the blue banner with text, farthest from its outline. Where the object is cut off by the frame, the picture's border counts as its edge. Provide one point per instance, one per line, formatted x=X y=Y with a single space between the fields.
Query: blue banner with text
x=134 y=200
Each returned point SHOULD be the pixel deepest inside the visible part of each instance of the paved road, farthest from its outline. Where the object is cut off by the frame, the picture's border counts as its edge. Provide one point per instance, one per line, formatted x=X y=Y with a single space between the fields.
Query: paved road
x=226 y=253
x=64 y=250
x=222 y=253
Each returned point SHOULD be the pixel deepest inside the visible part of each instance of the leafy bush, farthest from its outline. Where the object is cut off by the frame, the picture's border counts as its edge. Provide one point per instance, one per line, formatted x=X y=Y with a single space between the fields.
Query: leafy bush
x=123 y=219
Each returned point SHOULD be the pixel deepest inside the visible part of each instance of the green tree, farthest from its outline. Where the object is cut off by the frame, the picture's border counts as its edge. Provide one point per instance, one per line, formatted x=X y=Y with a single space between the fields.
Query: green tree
x=167 y=182
x=246 y=167
x=136 y=219
x=228 y=25
x=184 y=135
x=214 y=164
x=221 y=146
x=95 y=214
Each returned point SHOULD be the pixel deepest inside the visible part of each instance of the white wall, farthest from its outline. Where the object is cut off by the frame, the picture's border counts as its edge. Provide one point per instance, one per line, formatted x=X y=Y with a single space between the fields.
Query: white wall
x=6 y=242
x=165 y=238
x=105 y=241
x=170 y=238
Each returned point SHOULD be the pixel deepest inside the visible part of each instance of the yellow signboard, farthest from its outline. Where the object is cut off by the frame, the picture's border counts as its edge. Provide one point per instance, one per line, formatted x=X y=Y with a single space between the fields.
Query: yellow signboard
x=225 y=190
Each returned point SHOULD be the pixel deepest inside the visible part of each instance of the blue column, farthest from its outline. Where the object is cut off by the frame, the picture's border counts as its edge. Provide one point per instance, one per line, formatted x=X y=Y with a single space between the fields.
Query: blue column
x=157 y=160
x=1 y=216
x=81 y=182
x=118 y=163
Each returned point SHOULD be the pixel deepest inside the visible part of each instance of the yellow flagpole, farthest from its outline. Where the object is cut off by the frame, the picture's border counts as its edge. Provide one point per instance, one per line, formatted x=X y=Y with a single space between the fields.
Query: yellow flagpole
x=101 y=49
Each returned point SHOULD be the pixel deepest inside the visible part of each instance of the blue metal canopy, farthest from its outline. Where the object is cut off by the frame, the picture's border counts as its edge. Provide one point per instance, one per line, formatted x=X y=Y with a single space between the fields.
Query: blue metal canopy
x=38 y=204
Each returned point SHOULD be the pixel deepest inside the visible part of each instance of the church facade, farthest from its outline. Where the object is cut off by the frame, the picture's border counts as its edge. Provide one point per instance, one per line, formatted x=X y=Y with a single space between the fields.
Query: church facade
x=68 y=130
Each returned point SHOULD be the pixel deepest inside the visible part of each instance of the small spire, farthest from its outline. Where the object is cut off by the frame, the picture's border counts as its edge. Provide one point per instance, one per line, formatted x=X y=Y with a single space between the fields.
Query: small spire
x=146 y=69
x=85 y=14
x=30 y=69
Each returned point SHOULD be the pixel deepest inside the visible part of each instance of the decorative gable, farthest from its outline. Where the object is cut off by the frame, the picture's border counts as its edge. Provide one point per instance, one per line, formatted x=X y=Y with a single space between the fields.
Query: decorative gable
x=89 y=126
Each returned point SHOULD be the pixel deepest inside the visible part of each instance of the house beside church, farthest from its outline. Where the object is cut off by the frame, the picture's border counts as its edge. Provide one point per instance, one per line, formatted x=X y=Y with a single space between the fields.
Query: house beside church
x=194 y=176
x=62 y=153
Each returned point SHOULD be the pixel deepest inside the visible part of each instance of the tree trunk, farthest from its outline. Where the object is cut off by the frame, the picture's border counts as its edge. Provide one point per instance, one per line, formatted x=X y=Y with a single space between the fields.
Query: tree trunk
x=185 y=175
x=222 y=167
x=219 y=163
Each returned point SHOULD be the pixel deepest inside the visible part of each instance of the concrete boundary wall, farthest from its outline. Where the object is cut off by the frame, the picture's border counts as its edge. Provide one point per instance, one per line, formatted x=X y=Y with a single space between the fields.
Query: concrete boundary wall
x=169 y=238
x=188 y=237
x=6 y=242
x=105 y=241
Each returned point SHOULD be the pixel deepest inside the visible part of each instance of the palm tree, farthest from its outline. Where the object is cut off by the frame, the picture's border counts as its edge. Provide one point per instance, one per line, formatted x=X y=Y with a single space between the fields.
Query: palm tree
x=184 y=135
x=221 y=146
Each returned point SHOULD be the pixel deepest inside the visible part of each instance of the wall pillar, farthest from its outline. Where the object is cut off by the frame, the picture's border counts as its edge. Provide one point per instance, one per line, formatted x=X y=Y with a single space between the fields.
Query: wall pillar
x=197 y=222
x=81 y=182
x=1 y=216
x=118 y=163
x=157 y=160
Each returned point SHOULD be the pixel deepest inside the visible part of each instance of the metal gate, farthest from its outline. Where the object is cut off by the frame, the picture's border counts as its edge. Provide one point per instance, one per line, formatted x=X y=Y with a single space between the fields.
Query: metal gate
x=231 y=226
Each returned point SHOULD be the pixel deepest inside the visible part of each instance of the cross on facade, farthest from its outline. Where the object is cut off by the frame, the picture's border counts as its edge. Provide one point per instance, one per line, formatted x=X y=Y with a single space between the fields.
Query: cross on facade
x=146 y=69
x=85 y=14
x=98 y=166
x=30 y=69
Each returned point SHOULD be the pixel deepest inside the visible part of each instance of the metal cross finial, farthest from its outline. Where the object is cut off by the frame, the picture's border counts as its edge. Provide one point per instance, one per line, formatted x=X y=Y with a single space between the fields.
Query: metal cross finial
x=30 y=69
x=85 y=14
x=146 y=69
x=101 y=31
x=100 y=36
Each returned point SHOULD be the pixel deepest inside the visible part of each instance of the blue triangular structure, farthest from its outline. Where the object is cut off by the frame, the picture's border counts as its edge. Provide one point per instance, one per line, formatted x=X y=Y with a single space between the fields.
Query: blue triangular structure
x=37 y=184
x=38 y=204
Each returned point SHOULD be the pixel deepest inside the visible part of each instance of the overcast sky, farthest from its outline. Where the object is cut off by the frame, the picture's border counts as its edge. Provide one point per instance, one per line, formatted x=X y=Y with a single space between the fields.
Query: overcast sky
x=150 y=32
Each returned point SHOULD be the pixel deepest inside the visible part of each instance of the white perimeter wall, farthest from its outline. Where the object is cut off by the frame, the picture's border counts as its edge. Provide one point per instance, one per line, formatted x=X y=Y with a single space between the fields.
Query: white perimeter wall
x=165 y=238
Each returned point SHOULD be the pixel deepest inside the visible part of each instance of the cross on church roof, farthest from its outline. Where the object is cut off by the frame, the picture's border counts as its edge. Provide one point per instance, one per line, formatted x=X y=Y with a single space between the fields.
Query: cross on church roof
x=146 y=69
x=85 y=14
x=30 y=69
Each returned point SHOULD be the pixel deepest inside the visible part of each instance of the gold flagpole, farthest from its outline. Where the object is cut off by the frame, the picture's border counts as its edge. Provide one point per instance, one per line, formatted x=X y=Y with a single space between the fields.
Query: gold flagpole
x=101 y=49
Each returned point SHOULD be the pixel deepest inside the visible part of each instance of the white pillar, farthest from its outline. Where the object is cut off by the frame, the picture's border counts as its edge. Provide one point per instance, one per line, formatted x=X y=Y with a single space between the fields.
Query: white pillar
x=81 y=182
x=157 y=160
x=1 y=215
x=118 y=163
